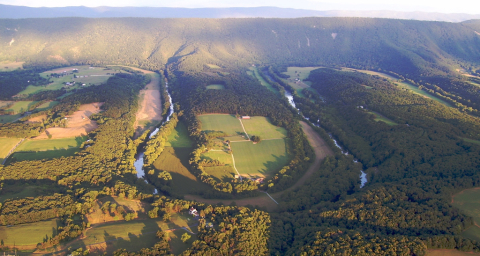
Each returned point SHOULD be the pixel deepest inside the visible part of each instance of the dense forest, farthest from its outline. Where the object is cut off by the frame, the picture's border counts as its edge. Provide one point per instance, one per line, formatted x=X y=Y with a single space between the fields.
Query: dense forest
x=416 y=156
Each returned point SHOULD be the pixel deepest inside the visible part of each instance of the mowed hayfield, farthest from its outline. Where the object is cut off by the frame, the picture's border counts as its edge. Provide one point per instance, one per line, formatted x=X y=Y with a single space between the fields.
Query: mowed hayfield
x=299 y=72
x=179 y=137
x=136 y=234
x=7 y=144
x=260 y=126
x=380 y=118
x=9 y=118
x=47 y=105
x=86 y=75
x=20 y=106
x=255 y=73
x=28 y=234
x=221 y=122
x=215 y=87
x=261 y=159
x=468 y=201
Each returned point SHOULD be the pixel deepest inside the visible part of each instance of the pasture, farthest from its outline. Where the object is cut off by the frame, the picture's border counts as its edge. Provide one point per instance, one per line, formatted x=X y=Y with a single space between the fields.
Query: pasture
x=47 y=105
x=380 y=118
x=175 y=161
x=260 y=126
x=221 y=173
x=41 y=155
x=221 y=156
x=299 y=72
x=468 y=201
x=261 y=159
x=20 y=106
x=149 y=113
x=221 y=122
x=37 y=232
x=179 y=137
x=9 y=118
x=7 y=144
x=136 y=234
x=255 y=73
x=86 y=75
x=215 y=87
x=471 y=141
x=10 y=66
x=449 y=252
x=52 y=144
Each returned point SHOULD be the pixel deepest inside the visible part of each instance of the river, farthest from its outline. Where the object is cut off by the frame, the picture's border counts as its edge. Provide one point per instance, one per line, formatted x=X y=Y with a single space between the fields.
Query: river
x=363 y=175
x=141 y=152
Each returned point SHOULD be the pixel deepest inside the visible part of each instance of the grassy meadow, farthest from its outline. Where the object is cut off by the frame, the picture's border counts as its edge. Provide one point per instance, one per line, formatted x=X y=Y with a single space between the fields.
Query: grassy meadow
x=85 y=75
x=380 y=118
x=225 y=123
x=7 y=144
x=9 y=118
x=47 y=105
x=179 y=137
x=260 y=126
x=10 y=66
x=255 y=73
x=471 y=141
x=20 y=106
x=215 y=87
x=468 y=201
x=37 y=232
x=260 y=159
x=51 y=144
x=449 y=252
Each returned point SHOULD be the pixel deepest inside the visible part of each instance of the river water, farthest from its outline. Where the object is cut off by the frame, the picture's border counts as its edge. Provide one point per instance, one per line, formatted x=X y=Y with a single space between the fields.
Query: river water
x=363 y=175
x=141 y=152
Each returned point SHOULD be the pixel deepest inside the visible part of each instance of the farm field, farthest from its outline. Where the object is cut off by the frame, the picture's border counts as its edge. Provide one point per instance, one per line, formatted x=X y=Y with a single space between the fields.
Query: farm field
x=149 y=113
x=10 y=66
x=52 y=144
x=255 y=73
x=221 y=122
x=41 y=155
x=403 y=85
x=179 y=137
x=4 y=103
x=85 y=75
x=36 y=231
x=135 y=235
x=260 y=126
x=299 y=72
x=9 y=118
x=9 y=192
x=471 y=141
x=175 y=161
x=7 y=144
x=47 y=105
x=221 y=173
x=260 y=159
x=20 y=106
x=215 y=87
x=77 y=124
x=468 y=201
x=221 y=156
x=449 y=252
x=380 y=118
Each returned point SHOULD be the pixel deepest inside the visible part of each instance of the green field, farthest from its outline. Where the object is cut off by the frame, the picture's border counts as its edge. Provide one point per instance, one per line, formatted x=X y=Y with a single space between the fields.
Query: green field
x=215 y=87
x=179 y=137
x=10 y=66
x=7 y=144
x=221 y=156
x=261 y=159
x=137 y=234
x=471 y=141
x=36 y=233
x=85 y=75
x=221 y=173
x=41 y=155
x=299 y=72
x=255 y=73
x=175 y=161
x=468 y=201
x=14 y=192
x=9 y=118
x=47 y=105
x=21 y=106
x=380 y=117
x=52 y=144
x=225 y=123
x=260 y=126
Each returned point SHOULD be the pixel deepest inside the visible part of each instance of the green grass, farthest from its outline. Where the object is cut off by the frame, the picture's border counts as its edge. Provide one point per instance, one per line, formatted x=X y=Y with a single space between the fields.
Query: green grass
x=10 y=66
x=260 y=126
x=471 y=141
x=9 y=118
x=222 y=173
x=52 y=144
x=381 y=118
x=175 y=161
x=7 y=144
x=137 y=234
x=21 y=106
x=226 y=123
x=262 y=81
x=215 y=87
x=47 y=105
x=221 y=156
x=94 y=76
x=41 y=155
x=299 y=72
x=28 y=234
x=14 y=192
x=263 y=158
x=179 y=137
x=468 y=201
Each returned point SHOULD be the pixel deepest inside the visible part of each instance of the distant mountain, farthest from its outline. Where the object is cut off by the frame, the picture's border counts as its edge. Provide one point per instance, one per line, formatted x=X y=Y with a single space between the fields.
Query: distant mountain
x=20 y=12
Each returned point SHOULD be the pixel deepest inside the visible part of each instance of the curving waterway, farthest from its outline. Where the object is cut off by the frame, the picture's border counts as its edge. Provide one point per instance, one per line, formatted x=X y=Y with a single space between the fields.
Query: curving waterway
x=141 y=152
x=363 y=175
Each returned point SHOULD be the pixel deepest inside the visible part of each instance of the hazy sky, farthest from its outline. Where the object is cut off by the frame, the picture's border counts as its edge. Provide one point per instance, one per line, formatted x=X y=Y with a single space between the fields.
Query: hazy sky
x=457 y=6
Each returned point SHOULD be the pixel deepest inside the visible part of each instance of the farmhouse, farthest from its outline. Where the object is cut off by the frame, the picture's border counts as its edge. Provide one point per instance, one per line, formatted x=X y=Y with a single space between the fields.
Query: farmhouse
x=193 y=211
x=245 y=117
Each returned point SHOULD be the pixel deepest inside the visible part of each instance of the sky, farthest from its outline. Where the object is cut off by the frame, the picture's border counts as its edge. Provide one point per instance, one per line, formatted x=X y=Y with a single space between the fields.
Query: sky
x=457 y=6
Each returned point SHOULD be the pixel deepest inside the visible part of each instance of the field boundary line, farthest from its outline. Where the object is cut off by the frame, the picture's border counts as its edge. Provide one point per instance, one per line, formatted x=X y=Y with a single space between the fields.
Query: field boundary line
x=234 y=167
x=269 y=196
x=244 y=129
x=11 y=151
